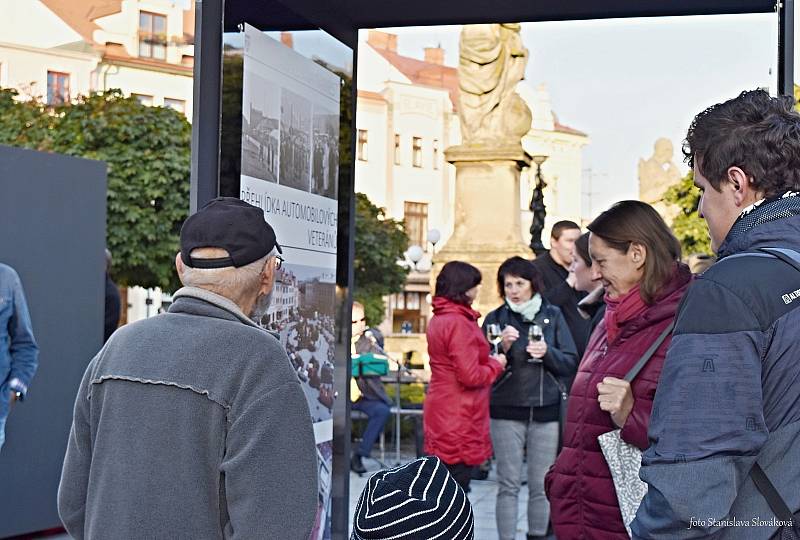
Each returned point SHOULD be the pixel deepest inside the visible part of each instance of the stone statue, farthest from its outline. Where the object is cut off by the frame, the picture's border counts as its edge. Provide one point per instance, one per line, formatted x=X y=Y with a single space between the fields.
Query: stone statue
x=658 y=172
x=492 y=62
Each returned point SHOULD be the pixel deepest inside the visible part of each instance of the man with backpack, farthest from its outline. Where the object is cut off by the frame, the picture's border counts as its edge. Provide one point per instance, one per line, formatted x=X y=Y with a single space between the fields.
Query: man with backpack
x=722 y=461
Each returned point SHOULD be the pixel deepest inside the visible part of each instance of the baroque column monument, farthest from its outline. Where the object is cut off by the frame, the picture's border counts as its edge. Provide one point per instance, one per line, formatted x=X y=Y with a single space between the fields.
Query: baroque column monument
x=494 y=118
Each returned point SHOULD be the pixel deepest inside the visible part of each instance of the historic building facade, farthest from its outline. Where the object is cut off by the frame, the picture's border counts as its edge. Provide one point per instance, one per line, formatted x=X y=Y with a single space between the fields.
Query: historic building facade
x=407 y=117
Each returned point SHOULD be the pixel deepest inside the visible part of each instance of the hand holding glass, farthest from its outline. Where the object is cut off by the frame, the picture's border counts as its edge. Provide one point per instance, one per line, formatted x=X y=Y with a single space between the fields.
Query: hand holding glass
x=494 y=335
x=535 y=335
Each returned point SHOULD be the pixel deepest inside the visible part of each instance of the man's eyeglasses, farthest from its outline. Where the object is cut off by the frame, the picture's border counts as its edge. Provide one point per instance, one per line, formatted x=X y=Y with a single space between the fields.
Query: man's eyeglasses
x=278 y=262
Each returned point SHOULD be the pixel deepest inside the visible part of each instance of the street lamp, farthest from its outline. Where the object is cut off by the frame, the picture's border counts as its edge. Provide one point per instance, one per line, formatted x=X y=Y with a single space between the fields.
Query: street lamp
x=538 y=209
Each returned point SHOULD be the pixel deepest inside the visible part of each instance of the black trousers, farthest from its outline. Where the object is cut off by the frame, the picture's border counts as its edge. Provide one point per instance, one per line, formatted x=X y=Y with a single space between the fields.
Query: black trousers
x=462 y=473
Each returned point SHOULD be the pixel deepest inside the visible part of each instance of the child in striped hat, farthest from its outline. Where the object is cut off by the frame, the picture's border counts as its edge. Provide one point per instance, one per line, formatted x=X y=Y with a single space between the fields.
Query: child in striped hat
x=415 y=501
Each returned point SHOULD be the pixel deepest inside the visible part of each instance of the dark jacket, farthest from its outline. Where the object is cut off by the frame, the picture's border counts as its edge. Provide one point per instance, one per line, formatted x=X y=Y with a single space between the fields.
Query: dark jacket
x=730 y=389
x=112 y=309
x=583 y=501
x=190 y=424
x=19 y=354
x=456 y=408
x=529 y=391
x=559 y=293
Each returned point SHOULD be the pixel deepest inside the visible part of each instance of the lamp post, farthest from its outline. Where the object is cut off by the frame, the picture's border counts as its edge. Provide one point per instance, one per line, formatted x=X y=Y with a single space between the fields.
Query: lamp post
x=538 y=209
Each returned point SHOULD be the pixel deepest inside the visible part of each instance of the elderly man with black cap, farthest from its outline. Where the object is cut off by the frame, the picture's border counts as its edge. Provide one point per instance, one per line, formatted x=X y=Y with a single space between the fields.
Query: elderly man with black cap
x=192 y=424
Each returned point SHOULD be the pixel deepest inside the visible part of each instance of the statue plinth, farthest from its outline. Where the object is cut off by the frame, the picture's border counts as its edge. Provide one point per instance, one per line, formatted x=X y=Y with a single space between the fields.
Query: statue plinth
x=487 y=228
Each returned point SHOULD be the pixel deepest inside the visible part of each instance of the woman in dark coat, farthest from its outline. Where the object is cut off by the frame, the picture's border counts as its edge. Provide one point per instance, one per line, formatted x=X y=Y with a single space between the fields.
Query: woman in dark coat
x=525 y=402
x=636 y=258
x=456 y=408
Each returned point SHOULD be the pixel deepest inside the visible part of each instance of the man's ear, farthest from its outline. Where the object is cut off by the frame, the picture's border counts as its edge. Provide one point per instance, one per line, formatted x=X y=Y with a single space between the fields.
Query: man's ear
x=268 y=275
x=638 y=254
x=179 y=266
x=742 y=189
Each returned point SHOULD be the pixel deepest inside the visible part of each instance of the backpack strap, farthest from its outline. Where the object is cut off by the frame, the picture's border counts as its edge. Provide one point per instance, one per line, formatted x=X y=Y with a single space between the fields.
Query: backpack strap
x=789 y=256
x=774 y=499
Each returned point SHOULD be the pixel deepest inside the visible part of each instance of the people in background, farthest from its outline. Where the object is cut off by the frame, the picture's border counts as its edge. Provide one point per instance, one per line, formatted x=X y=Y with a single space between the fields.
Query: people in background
x=558 y=283
x=368 y=394
x=19 y=354
x=591 y=307
x=456 y=408
x=192 y=423
x=636 y=258
x=113 y=302
x=729 y=394
x=525 y=402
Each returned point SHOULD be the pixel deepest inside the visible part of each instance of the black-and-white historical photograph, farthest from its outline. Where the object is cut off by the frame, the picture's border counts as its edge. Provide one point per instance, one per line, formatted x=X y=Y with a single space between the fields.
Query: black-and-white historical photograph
x=325 y=170
x=302 y=311
x=261 y=109
x=295 y=160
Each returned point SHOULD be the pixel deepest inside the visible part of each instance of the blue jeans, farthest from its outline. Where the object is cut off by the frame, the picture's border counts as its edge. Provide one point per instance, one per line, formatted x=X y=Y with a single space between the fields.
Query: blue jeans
x=378 y=413
x=2 y=432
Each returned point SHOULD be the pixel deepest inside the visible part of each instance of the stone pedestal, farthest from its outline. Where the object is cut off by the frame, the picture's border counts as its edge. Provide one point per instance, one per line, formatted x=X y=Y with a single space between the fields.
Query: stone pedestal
x=487 y=227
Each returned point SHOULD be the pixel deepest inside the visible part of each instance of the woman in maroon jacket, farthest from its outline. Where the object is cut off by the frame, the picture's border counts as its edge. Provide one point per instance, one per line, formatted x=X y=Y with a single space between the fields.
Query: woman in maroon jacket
x=456 y=409
x=636 y=257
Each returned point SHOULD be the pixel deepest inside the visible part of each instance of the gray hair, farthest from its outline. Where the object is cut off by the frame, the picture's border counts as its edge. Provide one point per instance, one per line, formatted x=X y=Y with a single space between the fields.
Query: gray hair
x=230 y=282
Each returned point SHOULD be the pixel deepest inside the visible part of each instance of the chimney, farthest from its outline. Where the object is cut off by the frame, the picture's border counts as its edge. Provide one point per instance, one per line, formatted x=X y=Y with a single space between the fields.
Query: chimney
x=382 y=41
x=434 y=55
x=287 y=39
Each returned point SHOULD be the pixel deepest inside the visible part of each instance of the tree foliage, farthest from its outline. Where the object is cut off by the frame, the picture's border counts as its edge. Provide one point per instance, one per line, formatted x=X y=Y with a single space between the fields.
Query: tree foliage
x=379 y=243
x=147 y=150
x=688 y=226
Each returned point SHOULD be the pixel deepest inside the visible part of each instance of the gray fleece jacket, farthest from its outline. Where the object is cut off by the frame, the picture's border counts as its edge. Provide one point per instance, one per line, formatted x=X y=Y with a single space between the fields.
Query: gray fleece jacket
x=190 y=424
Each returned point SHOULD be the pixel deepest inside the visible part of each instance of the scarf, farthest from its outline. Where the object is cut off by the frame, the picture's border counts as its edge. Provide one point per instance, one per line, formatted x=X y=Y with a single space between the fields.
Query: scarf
x=621 y=310
x=528 y=309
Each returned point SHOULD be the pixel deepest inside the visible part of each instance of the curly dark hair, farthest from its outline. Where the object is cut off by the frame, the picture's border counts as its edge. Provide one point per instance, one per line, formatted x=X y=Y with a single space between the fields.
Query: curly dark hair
x=756 y=132
x=455 y=279
x=518 y=267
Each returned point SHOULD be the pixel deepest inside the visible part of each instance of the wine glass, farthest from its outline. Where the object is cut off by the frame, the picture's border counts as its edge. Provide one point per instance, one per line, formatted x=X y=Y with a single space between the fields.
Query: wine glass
x=535 y=335
x=494 y=335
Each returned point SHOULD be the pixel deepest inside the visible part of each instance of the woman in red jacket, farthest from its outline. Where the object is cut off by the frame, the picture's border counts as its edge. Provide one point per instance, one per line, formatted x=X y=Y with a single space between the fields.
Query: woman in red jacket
x=636 y=258
x=456 y=409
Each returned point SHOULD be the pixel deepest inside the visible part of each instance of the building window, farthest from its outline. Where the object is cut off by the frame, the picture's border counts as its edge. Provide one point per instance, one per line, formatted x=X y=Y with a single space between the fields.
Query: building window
x=144 y=99
x=407 y=314
x=57 y=88
x=362 y=144
x=416 y=151
x=415 y=215
x=177 y=104
x=397 y=149
x=152 y=35
x=435 y=154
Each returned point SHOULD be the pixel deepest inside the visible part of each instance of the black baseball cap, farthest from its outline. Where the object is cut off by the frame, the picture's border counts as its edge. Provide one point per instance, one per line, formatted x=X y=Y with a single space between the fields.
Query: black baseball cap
x=230 y=224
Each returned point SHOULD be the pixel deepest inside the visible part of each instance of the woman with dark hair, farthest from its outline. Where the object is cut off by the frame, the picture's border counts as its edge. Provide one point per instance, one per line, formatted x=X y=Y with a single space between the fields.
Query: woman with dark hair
x=591 y=307
x=525 y=402
x=456 y=408
x=637 y=259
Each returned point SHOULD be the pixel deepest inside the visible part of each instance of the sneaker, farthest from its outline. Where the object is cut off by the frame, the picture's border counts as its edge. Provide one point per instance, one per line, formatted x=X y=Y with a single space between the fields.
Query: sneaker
x=356 y=465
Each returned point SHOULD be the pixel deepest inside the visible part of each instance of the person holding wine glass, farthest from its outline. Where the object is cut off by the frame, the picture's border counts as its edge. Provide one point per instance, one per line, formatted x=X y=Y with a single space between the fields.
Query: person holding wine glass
x=525 y=402
x=456 y=408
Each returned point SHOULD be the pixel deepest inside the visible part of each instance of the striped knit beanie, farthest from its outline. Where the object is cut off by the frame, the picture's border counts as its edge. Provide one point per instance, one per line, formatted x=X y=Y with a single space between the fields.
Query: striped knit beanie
x=415 y=501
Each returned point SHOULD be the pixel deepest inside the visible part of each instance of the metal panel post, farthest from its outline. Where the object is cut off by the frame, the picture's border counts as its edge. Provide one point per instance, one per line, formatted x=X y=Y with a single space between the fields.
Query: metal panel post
x=786 y=47
x=207 y=108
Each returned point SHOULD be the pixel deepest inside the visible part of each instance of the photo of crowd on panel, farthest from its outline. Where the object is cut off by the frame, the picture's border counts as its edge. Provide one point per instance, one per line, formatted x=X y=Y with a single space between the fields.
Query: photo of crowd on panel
x=260 y=130
x=290 y=165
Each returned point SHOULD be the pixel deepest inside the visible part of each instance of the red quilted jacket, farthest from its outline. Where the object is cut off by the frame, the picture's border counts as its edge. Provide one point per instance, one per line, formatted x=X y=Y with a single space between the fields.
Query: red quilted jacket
x=583 y=503
x=456 y=409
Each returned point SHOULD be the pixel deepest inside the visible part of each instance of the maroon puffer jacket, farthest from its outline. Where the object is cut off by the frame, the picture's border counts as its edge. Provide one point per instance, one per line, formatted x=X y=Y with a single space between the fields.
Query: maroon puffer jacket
x=456 y=409
x=583 y=503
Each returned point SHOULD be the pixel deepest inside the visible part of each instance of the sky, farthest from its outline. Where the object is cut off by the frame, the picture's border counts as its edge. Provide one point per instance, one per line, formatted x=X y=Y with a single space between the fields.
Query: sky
x=627 y=82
